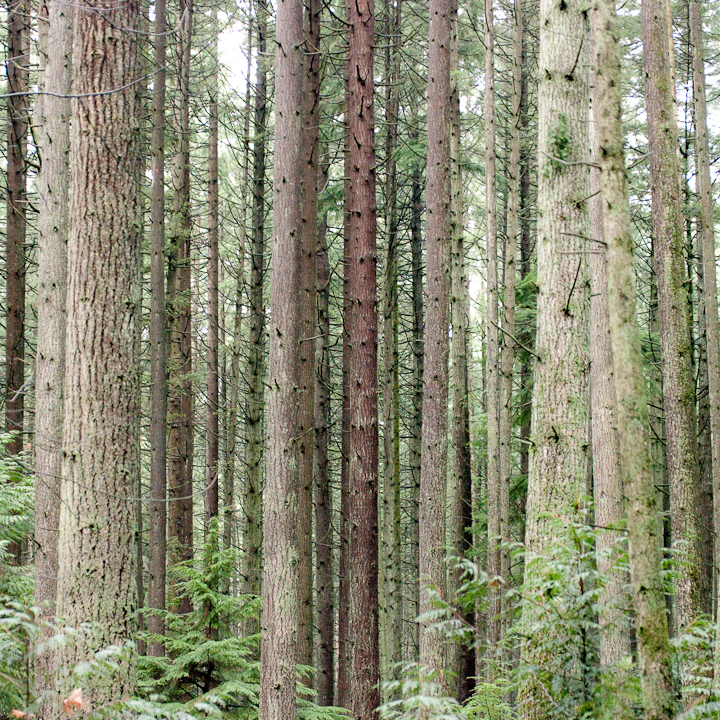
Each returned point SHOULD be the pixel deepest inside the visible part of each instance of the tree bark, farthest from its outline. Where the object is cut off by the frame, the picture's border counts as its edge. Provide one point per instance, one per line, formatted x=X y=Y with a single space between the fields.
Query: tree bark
x=654 y=658
x=53 y=185
x=433 y=474
x=678 y=386
x=157 y=539
x=279 y=628
x=360 y=347
x=100 y=449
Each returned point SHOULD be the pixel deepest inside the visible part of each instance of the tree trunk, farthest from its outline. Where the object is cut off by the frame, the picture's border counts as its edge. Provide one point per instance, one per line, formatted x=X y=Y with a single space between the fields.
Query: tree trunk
x=157 y=539
x=256 y=371
x=306 y=429
x=180 y=396
x=53 y=188
x=361 y=348
x=678 y=386
x=433 y=474
x=325 y=675
x=560 y=422
x=654 y=658
x=100 y=449
x=278 y=648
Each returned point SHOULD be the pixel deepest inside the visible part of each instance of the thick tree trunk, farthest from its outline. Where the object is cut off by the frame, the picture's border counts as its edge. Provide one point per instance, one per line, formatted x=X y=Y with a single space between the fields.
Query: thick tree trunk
x=100 y=448
x=279 y=627
x=180 y=395
x=632 y=411
x=53 y=186
x=678 y=386
x=256 y=371
x=433 y=474
x=360 y=346
x=157 y=539
x=560 y=422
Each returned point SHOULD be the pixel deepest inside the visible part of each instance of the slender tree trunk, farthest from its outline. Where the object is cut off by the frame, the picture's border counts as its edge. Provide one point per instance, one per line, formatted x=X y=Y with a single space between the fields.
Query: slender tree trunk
x=180 y=398
x=18 y=110
x=306 y=429
x=157 y=539
x=461 y=497
x=607 y=480
x=256 y=371
x=492 y=362
x=325 y=675
x=53 y=185
x=433 y=475
x=705 y=228
x=392 y=555
x=678 y=386
x=100 y=447
x=632 y=411
x=560 y=422
x=361 y=349
x=278 y=648
x=212 y=425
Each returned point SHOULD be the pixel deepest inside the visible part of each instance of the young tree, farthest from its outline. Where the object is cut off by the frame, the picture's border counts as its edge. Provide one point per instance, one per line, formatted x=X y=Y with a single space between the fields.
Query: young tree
x=53 y=185
x=96 y=583
x=433 y=474
x=279 y=625
x=360 y=356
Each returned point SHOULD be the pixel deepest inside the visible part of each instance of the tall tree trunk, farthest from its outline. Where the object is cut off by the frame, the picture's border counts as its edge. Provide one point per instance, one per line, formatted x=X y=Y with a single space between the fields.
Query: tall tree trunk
x=678 y=386
x=53 y=200
x=278 y=648
x=392 y=556
x=560 y=422
x=212 y=425
x=18 y=110
x=461 y=496
x=100 y=447
x=325 y=675
x=180 y=395
x=492 y=364
x=306 y=429
x=707 y=239
x=654 y=657
x=256 y=371
x=607 y=480
x=433 y=474
x=157 y=539
x=361 y=349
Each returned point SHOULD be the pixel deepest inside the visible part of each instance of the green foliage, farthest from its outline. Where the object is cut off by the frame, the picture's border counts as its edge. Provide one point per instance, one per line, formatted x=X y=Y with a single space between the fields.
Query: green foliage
x=489 y=701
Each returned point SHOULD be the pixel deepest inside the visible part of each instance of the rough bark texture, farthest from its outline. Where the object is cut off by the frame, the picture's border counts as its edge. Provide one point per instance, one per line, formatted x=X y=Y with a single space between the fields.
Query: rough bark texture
x=306 y=418
x=256 y=371
x=560 y=422
x=18 y=48
x=325 y=674
x=707 y=240
x=392 y=595
x=492 y=363
x=678 y=385
x=653 y=649
x=53 y=186
x=157 y=538
x=607 y=481
x=100 y=449
x=433 y=474
x=279 y=625
x=180 y=390
x=360 y=346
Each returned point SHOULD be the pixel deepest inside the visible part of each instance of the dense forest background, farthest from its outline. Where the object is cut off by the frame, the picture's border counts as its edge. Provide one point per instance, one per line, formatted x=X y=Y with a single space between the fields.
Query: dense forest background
x=360 y=356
